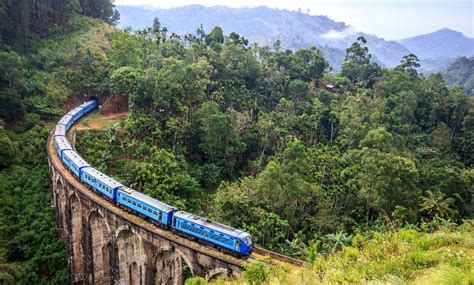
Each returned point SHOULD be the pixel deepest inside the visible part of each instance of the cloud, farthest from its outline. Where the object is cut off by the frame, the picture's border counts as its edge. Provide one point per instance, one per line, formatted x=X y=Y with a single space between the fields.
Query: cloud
x=338 y=35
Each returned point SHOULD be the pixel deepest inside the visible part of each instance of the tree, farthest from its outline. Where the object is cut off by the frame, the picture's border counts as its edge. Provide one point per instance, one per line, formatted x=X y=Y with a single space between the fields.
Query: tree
x=215 y=38
x=409 y=64
x=164 y=176
x=435 y=204
x=382 y=179
x=125 y=51
x=180 y=86
x=238 y=40
x=7 y=150
x=125 y=80
x=101 y=9
x=316 y=64
x=358 y=66
x=220 y=143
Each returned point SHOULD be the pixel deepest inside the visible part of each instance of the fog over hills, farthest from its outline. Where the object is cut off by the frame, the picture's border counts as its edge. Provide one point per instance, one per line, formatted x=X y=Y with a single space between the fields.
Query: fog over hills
x=296 y=30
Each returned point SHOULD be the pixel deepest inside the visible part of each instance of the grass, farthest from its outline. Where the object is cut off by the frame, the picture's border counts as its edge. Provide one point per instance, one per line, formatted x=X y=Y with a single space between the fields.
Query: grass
x=97 y=121
x=406 y=256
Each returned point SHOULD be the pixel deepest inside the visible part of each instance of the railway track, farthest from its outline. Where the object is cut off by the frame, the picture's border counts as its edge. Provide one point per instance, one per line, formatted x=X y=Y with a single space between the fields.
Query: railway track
x=277 y=256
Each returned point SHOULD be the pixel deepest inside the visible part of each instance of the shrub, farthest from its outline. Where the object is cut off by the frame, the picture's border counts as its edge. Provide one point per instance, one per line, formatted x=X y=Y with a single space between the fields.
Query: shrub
x=256 y=273
x=196 y=281
x=350 y=252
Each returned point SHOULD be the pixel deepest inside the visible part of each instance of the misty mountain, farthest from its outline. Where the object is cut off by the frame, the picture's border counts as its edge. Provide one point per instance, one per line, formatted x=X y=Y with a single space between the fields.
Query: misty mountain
x=442 y=43
x=265 y=25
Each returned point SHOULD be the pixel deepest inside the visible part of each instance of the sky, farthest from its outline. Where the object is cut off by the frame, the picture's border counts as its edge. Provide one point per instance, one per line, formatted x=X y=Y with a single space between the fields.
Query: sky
x=390 y=19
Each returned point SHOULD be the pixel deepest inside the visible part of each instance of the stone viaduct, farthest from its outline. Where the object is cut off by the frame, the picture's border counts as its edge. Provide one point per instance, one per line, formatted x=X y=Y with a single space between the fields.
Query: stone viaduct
x=107 y=245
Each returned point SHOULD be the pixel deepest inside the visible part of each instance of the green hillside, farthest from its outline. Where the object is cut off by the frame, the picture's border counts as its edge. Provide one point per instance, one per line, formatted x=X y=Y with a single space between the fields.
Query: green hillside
x=35 y=85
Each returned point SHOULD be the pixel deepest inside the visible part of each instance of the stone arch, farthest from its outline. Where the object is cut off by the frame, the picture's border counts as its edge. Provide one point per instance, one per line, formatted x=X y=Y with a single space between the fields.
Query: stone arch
x=75 y=237
x=131 y=257
x=169 y=266
x=217 y=272
x=100 y=245
x=188 y=262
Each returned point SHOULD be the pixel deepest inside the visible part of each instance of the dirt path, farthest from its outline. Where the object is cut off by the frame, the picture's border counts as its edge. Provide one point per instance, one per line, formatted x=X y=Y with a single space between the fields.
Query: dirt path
x=97 y=121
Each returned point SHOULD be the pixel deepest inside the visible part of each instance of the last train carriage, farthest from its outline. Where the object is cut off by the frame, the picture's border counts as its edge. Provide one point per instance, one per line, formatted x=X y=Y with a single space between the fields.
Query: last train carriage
x=224 y=237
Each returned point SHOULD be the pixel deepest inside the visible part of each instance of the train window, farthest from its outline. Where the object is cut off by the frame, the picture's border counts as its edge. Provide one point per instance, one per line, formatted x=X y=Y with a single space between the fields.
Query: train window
x=160 y=216
x=155 y=212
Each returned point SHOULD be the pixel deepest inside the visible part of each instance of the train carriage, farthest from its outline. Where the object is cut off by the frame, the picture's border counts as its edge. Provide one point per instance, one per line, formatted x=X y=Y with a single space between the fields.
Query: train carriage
x=146 y=205
x=60 y=130
x=101 y=182
x=74 y=162
x=89 y=106
x=61 y=144
x=219 y=234
x=66 y=121
x=76 y=113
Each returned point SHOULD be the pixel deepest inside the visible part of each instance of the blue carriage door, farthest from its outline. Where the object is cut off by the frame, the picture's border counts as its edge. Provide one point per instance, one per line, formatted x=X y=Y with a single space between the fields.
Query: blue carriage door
x=237 y=245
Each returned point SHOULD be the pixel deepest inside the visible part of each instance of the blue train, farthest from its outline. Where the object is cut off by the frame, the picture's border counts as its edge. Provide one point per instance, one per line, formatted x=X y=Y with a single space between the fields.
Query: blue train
x=224 y=237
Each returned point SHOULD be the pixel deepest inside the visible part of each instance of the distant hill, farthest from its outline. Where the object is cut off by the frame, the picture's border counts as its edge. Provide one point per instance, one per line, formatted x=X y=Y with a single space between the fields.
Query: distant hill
x=298 y=30
x=442 y=43
x=265 y=25
x=461 y=73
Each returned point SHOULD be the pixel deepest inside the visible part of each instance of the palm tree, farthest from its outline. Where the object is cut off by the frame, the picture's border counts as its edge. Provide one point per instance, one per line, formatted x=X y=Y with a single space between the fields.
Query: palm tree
x=436 y=205
x=338 y=240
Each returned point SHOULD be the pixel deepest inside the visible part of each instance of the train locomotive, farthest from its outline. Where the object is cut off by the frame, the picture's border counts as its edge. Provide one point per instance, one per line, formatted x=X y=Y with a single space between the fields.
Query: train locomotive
x=192 y=226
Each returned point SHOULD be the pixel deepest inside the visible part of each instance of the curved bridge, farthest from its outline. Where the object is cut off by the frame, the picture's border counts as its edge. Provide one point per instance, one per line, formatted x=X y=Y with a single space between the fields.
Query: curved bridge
x=106 y=244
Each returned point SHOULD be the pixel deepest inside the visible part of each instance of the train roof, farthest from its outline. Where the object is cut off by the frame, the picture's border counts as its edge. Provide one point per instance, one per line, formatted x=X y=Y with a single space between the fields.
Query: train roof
x=148 y=200
x=65 y=119
x=88 y=103
x=60 y=130
x=211 y=224
x=62 y=143
x=109 y=182
x=75 y=111
x=76 y=158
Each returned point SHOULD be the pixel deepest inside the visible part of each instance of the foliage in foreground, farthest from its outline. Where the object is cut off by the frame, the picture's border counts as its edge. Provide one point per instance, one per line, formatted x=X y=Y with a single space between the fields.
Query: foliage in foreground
x=406 y=256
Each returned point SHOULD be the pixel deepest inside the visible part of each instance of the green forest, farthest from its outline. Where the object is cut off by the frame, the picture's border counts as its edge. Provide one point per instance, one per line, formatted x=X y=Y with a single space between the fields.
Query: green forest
x=314 y=164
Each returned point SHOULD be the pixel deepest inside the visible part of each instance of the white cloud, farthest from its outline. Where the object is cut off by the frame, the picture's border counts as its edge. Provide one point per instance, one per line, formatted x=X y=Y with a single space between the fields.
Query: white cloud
x=337 y=35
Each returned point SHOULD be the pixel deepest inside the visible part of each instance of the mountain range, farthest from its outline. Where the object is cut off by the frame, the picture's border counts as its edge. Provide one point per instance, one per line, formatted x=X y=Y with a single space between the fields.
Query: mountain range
x=296 y=30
